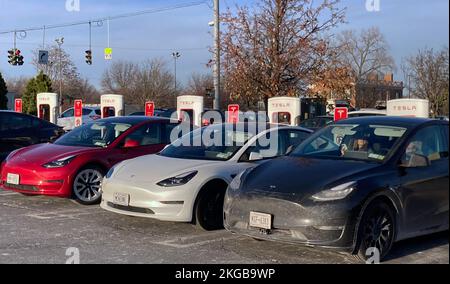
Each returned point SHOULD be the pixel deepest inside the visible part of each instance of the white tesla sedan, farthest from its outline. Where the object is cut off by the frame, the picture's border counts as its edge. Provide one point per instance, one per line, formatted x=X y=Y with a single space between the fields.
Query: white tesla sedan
x=187 y=181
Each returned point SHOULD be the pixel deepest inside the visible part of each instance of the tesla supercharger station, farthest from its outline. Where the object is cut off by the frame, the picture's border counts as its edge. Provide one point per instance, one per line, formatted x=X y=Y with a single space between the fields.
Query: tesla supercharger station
x=192 y=106
x=409 y=108
x=48 y=106
x=285 y=110
x=112 y=105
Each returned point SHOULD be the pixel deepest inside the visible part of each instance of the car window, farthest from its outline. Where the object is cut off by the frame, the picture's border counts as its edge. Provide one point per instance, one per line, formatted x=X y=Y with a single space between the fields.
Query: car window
x=98 y=112
x=293 y=138
x=428 y=142
x=68 y=113
x=16 y=122
x=86 y=111
x=149 y=134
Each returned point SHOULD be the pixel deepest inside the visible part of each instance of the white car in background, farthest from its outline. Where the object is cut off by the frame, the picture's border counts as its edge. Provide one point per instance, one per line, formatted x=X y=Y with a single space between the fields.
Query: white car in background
x=367 y=112
x=188 y=183
x=67 y=118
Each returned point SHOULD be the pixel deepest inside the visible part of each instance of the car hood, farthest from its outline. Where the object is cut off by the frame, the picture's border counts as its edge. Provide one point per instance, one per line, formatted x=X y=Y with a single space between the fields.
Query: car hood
x=299 y=177
x=155 y=168
x=44 y=153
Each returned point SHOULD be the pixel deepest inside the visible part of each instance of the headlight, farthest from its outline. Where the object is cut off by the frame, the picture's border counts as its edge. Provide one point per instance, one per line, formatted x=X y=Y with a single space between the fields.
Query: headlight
x=336 y=193
x=178 y=180
x=59 y=163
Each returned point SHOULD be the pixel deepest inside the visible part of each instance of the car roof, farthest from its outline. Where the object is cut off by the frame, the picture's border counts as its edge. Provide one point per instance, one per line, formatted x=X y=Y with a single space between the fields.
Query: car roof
x=133 y=119
x=406 y=122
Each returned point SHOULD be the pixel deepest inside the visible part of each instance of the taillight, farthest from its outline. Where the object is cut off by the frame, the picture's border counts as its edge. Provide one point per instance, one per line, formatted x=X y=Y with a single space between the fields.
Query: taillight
x=205 y=122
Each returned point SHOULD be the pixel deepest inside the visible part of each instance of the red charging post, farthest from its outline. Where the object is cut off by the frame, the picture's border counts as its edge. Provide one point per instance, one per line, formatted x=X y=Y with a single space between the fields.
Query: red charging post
x=233 y=113
x=18 y=105
x=78 y=106
x=149 y=109
x=340 y=113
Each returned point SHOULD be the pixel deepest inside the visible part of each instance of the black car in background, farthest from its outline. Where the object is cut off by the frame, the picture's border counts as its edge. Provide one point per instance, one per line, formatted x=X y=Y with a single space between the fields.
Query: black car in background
x=317 y=123
x=359 y=185
x=20 y=130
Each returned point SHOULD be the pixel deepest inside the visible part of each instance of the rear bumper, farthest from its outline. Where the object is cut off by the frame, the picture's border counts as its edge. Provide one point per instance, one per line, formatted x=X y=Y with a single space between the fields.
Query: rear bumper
x=322 y=225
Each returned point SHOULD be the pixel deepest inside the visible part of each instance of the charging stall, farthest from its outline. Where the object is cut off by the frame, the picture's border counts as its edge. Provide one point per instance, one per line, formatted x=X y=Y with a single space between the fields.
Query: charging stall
x=112 y=106
x=48 y=106
x=409 y=108
x=285 y=110
x=190 y=108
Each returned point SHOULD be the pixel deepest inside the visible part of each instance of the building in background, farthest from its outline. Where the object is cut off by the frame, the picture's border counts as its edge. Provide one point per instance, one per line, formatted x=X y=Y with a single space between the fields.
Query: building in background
x=376 y=89
x=11 y=96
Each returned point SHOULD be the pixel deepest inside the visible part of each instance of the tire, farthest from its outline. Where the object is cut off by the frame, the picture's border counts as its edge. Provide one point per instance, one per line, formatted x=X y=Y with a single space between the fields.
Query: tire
x=378 y=229
x=209 y=210
x=86 y=187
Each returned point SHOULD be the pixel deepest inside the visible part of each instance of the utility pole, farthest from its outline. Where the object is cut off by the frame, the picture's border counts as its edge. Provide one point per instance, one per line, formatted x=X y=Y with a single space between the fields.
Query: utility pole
x=176 y=56
x=217 y=55
x=60 y=42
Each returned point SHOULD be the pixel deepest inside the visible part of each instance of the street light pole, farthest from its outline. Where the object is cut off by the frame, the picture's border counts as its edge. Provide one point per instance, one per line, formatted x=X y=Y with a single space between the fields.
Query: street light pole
x=217 y=55
x=175 y=56
x=60 y=42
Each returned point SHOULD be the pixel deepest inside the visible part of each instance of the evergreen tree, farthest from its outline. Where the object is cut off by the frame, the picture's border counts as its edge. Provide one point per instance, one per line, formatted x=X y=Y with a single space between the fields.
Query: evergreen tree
x=3 y=93
x=40 y=84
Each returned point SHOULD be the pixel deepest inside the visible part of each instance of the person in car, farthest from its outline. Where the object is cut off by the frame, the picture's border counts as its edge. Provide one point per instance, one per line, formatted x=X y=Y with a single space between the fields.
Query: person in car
x=359 y=145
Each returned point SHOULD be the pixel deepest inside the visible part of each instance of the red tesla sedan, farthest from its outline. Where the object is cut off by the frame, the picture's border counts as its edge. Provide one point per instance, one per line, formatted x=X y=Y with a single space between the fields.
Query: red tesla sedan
x=75 y=164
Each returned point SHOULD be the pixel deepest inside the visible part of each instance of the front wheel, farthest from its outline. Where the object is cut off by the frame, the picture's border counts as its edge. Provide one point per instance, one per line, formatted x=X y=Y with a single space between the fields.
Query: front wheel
x=377 y=232
x=87 y=186
x=209 y=210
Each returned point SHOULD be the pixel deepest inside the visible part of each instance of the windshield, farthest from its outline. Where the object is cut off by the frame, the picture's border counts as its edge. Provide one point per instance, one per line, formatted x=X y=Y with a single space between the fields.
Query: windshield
x=354 y=142
x=99 y=134
x=216 y=143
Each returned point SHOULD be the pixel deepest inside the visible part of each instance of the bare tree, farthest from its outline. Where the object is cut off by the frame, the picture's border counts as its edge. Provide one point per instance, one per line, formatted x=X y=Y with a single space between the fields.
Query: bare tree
x=274 y=50
x=139 y=83
x=17 y=85
x=365 y=53
x=429 y=71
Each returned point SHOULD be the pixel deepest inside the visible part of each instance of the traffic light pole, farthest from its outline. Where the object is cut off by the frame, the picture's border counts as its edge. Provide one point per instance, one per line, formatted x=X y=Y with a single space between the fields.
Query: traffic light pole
x=60 y=42
x=217 y=55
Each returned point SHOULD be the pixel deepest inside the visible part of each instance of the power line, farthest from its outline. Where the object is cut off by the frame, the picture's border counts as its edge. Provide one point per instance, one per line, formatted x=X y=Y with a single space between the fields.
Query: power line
x=99 y=21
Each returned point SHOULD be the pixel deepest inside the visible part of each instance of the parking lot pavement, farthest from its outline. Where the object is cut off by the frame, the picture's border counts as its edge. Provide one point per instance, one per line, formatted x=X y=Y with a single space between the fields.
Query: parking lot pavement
x=41 y=229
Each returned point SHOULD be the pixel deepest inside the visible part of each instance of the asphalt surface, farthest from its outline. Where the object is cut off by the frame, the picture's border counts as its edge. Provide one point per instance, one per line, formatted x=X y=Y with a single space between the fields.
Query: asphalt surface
x=41 y=229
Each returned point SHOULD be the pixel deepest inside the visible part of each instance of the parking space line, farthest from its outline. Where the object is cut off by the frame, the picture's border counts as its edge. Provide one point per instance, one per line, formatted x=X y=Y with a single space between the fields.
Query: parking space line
x=199 y=240
x=65 y=214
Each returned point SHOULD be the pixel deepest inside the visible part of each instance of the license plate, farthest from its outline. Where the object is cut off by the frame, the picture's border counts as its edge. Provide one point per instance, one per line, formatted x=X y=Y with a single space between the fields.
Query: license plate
x=13 y=179
x=121 y=199
x=260 y=220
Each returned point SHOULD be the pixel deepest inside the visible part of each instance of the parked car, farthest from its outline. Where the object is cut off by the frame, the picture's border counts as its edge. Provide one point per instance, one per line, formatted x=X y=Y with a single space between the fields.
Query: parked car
x=75 y=164
x=367 y=112
x=359 y=184
x=19 y=130
x=67 y=118
x=186 y=183
x=317 y=123
x=167 y=113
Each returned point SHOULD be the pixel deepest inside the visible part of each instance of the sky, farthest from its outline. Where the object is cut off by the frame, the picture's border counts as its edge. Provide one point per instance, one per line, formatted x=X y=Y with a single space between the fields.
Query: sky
x=408 y=25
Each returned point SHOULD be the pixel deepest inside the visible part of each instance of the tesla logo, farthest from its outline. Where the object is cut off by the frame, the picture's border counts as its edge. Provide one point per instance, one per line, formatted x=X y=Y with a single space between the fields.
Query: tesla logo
x=150 y=109
x=340 y=113
x=18 y=105
x=233 y=113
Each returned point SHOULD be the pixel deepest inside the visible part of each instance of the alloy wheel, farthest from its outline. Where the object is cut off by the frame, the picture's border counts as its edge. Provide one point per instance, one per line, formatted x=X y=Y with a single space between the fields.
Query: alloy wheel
x=87 y=185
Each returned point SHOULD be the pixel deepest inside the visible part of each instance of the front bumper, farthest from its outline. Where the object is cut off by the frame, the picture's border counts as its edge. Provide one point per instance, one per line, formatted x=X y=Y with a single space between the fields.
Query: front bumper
x=50 y=182
x=329 y=225
x=165 y=204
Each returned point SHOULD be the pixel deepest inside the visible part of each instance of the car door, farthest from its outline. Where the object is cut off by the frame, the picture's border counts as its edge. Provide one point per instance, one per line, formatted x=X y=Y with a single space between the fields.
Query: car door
x=147 y=139
x=66 y=119
x=16 y=132
x=424 y=189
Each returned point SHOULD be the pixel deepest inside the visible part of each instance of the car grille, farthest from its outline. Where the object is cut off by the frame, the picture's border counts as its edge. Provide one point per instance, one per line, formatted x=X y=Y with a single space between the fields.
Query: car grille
x=21 y=187
x=131 y=209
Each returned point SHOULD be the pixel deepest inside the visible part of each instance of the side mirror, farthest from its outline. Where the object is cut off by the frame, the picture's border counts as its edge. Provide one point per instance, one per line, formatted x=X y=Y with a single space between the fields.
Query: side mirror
x=255 y=156
x=415 y=161
x=130 y=143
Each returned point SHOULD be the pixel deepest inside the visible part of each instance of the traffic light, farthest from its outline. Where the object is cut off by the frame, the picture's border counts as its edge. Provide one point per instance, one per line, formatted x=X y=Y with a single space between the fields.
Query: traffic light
x=11 y=56
x=89 y=57
x=19 y=58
